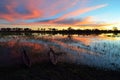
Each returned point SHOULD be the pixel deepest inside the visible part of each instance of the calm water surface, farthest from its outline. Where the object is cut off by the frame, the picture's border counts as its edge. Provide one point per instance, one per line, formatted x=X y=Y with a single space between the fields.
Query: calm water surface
x=102 y=51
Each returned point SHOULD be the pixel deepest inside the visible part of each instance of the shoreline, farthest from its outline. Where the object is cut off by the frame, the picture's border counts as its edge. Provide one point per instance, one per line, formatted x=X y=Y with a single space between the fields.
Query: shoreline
x=61 y=71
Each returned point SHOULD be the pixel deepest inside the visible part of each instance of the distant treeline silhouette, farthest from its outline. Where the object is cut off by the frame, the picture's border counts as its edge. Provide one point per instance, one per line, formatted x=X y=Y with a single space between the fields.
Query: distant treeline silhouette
x=14 y=29
x=56 y=31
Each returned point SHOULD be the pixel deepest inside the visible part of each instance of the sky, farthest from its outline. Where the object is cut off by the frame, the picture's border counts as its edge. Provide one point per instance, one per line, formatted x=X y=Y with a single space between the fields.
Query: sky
x=102 y=14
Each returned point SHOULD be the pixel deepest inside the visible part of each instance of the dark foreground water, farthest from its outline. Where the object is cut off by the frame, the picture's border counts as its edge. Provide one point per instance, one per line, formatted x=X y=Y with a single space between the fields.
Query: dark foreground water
x=101 y=51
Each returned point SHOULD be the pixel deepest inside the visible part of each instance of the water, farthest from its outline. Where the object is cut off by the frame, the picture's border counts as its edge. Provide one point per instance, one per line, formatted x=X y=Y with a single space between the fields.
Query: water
x=101 y=51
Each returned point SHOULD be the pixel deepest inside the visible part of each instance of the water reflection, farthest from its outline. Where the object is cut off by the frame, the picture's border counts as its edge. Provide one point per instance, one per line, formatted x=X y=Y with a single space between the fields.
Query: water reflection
x=94 y=50
x=111 y=35
x=11 y=52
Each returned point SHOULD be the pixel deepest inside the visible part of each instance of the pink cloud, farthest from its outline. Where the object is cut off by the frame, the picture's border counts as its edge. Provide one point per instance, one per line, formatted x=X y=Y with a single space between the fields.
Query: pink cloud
x=11 y=10
x=79 y=12
x=60 y=6
x=33 y=8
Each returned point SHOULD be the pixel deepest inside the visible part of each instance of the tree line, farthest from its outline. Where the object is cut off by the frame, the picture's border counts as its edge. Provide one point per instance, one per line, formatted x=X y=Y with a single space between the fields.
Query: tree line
x=64 y=31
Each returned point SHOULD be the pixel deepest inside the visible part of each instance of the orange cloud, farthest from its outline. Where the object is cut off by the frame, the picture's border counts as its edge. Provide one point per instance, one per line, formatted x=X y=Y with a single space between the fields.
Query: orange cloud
x=87 y=20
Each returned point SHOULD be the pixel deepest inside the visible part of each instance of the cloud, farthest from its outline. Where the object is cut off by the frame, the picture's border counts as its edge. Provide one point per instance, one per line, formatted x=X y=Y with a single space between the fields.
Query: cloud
x=66 y=18
x=19 y=11
x=72 y=21
x=68 y=21
x=79 y=12
x=11 y=10
x=31 y=9
x=86 y=20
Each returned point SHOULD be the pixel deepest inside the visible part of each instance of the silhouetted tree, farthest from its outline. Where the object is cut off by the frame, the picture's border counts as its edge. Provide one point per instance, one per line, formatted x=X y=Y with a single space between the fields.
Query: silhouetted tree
x=69 y=29
x=115 y=29
x=54 y=29
x=27 y=29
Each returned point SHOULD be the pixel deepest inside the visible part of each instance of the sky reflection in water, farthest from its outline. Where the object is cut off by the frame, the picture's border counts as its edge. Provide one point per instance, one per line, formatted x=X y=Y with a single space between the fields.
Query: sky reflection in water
x=94 y=50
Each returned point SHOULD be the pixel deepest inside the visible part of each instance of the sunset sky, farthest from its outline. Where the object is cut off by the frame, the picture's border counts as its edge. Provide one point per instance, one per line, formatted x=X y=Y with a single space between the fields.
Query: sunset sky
x=102 y=14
